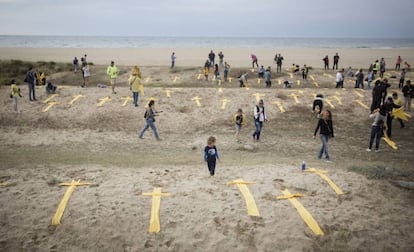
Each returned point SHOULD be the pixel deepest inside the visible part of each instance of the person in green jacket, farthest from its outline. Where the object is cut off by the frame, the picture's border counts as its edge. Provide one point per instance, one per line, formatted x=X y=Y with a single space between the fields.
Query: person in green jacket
x=112 y=72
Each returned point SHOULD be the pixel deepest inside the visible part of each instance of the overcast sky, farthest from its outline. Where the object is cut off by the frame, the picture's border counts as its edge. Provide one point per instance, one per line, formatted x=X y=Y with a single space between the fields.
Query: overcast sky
x=264 y=18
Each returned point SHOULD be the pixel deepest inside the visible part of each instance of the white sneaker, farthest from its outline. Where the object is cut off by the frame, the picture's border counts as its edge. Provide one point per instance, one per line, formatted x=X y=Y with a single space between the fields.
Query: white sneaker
x=376 y=151
x=369 y=150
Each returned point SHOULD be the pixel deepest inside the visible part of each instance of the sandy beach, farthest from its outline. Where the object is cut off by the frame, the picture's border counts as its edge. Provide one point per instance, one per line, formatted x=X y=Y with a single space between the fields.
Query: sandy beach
x=100 y=145
x=190 y=57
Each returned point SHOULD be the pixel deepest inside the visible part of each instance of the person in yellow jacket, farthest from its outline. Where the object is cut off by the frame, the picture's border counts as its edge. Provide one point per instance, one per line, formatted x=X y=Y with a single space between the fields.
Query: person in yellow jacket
x=15 y=94
x=136 y=84
x=112 y=72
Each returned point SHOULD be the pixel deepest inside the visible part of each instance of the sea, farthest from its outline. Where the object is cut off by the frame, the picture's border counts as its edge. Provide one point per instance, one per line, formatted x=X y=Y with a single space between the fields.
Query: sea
x=23 y=41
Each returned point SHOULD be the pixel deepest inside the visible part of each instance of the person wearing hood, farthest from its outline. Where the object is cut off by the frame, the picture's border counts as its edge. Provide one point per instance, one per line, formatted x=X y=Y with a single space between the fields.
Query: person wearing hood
x=136 y=84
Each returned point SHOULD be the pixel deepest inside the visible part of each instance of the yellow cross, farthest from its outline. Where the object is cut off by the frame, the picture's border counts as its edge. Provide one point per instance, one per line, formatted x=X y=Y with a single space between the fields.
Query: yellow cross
x=338 y=99
x=175 y=79
x=197 y=100
x=258 y=96
x=295 y=97
x=279 y=82
x=250 y=203
x=126 y=100
x=279 y=105
x=50 y=105
x=230 y=79
x=361 y=103
x=199 y=76
x=168 y=92
x=321 y=173
x=75 y=98
x=312 y=78
x=155 y=226
x=359 y=94
x=252 y=70
x=147 y=79
x=315 y=83
x=328 y=101
x=306 y=216
x=102 y=101
x=225 y=101
x=50 y=98
x=259 y=80
x=291 y=75
x=298 y=82
x=62 y=205
x=220 y=90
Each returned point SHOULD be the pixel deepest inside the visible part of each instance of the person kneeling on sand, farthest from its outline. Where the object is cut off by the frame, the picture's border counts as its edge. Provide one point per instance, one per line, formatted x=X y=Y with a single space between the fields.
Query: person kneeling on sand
x=318 y=102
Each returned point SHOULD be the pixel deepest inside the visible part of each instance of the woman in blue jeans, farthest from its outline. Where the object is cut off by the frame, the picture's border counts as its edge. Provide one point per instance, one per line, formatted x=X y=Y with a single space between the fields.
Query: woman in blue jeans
x=150 y=113
x=325 y=131
x=259 y=118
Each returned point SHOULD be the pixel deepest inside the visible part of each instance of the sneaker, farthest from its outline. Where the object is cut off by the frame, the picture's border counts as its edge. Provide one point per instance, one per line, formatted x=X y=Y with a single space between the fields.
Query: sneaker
x=369 y=150
x=376 y=151
x=328 y=161
x=141 y=137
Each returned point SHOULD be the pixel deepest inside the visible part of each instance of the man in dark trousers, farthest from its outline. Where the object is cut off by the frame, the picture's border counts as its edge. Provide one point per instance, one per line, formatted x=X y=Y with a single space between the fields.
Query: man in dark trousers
x=389 y=105
x=30 y=80
x=376 y=96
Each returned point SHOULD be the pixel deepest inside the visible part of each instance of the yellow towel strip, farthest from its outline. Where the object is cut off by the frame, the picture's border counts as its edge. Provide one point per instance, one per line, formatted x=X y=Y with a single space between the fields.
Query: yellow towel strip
x=306 y=216
x=327 y=179
x=62 y=205
x=50 y=105
x=155 y=226
x=250 y=203
x=391 y=143
x=50 y=98
x=3 y=183
x=75 y=98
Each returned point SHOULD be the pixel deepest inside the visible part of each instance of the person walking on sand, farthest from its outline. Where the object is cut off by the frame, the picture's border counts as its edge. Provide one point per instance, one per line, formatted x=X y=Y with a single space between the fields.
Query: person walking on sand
x=211 y=57
x=112 y=72
x=279 y=63
x=216 y=72
x=238 y=119
x=398 y=63
x=305 y=71
x=149 y=115
x=206 y=69
x=376 y=95
x=30 y=80
x=335 y=62
x=254 y=60
x=325 y=128
x=340 y=79
x=15 y=94
x=326 y=62
x=382 y=67
x=398 y=102
x=377 y=128
x=86 y=74
x=226 y=71
x=369 y=78
x=173 y=60
x=259 y=118
x=359 y=83
x=402 y=79
x=211 y=155
x=136 y=84
x=268 y=77
x=221 y=58
x=75 y=64
x=408 y=93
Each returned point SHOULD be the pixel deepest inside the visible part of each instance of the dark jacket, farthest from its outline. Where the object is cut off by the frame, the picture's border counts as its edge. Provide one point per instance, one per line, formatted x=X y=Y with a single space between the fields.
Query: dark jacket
x=325 y=127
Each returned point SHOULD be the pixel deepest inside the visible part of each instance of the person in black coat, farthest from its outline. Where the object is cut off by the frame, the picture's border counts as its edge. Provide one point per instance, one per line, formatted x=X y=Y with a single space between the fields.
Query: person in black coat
x=325 y=128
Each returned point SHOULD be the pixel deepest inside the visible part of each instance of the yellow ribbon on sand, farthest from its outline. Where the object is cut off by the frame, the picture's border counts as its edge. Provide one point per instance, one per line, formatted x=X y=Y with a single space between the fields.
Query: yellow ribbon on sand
x=250 y=203
x=155 y=226
x=62 y=205
x=306 y=216
x=321 y=173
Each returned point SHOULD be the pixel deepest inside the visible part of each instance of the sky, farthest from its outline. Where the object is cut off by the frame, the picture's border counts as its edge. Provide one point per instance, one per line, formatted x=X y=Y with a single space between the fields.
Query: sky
x=222 y=18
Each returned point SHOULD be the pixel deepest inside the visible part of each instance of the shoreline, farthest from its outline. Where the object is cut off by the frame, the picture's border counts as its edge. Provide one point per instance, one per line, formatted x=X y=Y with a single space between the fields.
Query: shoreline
x=236 y=57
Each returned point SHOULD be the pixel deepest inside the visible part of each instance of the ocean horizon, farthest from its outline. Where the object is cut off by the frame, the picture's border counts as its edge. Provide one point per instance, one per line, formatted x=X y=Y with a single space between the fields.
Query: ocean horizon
x=39 y=41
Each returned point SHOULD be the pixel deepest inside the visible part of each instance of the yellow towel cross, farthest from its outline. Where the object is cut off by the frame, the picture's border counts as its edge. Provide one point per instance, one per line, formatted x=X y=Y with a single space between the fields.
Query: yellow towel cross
x=306 y=216
x=155 y=226
x=391 y=143
x=50 y=98
x=361 y=103
x=295 y=97
x=126 y=100
x=62 y=205
x=321 y=173
x=102 y=101
x=258 y=96
x=279 y=105
x=50 y=105
x=197 y=100
x=75 y=98
x=224 y=103
x=250 y=203
x=399 y=113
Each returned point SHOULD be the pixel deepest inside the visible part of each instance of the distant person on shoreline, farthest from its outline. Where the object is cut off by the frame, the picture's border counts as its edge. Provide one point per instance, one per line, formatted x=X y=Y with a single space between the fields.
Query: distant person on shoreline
x=325 y=128
x=279 y=63
x=259 y=118
x=211 y=57
x=75 y=64
x=136 y=84
x=211 y=155
x=173 y=60
x=221 y=58
x=112 y=72
x=254 y=60
x=30 y=80
x=326 y=62
x=398 y=63
x=335 y=62
x=377 y=128
x=149 y=115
